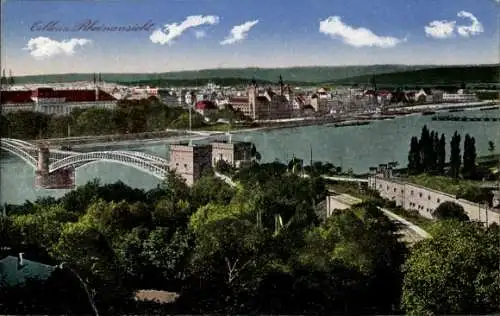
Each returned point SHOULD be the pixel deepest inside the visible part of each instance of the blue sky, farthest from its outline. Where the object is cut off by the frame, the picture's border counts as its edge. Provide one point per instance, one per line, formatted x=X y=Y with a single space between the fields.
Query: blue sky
x=268 y=33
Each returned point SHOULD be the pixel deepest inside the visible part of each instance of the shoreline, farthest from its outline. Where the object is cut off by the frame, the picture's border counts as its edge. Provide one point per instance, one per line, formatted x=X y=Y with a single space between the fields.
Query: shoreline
x=172 y=136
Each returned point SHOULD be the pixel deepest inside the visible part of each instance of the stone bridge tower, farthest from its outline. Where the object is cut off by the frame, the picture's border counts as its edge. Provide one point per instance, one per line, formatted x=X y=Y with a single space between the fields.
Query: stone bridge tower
x=42 y=176
x=60 y=179
x=43 y=159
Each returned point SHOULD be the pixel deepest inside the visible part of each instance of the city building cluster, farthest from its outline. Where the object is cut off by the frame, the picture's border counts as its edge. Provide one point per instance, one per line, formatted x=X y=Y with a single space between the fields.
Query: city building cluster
x=256 y=101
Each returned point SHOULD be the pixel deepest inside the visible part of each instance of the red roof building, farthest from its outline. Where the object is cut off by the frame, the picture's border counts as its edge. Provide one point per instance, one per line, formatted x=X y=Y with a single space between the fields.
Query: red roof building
x=12 y=96
x=72 y=95
x=205 y=105
x=54 y=101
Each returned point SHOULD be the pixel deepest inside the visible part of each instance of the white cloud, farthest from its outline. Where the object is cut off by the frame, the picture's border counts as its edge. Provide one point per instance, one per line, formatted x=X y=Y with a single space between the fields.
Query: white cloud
x=200 y=34
x=43 y=47
x=357 y=37
x=174 y=30
x=239 y=32
x=474 y=29
x=440 y=29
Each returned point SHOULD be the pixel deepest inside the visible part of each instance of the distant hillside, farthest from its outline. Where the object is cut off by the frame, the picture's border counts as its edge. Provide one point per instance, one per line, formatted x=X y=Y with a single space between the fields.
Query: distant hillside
x=453 y=75
x=293 y=74
x=162 y=83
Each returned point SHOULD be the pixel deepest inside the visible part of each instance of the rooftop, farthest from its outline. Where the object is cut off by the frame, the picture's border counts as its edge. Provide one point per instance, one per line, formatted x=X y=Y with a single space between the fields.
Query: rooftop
x=205 y=105
x=188 y=144
x=162 y=297
x=13 y=274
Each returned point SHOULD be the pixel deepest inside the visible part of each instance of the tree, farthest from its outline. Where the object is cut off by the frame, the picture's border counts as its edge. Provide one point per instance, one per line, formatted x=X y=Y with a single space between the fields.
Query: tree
x=90 y=254
x=167 y=250
x=255 y=154
x=78 y=200
x=476 y=194
x=10 y=236
x=455 y=158
x=469 y=166
x=96 y=121
x=455 y=272
x=435 y=152
x=227 y=258
x=116 y=218
x=348 y=237
x=441 y=155
x=414 y=165
x=210 y=189
x=223 y=166
x=450 y=210
x=27 y=124
x=426 y=149
x=42 y=227
x=491 y=147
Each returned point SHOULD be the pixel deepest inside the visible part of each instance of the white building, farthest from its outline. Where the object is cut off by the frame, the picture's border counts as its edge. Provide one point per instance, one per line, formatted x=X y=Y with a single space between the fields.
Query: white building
x=424 y=200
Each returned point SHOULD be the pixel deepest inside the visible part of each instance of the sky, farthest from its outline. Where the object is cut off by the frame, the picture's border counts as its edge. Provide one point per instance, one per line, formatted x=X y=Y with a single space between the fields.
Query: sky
x=54 y=36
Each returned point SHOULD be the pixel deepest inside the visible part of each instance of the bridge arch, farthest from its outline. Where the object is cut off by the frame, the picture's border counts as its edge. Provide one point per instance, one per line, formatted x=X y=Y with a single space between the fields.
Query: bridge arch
x=19 y=152
x=122 y=158
x=19 y=142
x=142 y=155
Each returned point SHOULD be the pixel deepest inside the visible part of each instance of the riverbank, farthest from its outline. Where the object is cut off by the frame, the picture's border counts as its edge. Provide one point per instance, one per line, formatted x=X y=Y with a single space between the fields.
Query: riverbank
x=445 y=106
x=354 y=147
x=72 y=141
x=178 y=135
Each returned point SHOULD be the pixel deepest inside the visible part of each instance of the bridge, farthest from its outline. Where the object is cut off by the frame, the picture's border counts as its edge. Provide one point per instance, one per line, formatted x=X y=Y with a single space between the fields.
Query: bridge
x=55 y=168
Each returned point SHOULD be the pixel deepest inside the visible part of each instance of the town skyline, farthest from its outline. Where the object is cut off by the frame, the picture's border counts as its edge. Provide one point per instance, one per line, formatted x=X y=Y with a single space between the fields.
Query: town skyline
x=136 y=39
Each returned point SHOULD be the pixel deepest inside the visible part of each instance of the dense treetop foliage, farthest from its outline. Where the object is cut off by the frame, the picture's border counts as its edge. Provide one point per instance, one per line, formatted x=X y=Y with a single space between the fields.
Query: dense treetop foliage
x=130 y=116
x=259 y=247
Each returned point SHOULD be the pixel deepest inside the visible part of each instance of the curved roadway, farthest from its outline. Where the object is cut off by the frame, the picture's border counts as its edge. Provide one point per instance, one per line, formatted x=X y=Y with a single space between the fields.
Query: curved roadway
x=411 y=233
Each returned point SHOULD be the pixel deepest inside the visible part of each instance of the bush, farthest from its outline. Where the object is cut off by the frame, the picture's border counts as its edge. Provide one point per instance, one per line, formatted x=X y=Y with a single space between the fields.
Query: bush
x=390 y=204
x=476 y=194
x=223 y=167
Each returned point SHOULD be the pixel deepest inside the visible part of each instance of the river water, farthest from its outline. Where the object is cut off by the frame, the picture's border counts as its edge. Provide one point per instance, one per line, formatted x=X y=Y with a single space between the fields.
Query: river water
x=356 y=147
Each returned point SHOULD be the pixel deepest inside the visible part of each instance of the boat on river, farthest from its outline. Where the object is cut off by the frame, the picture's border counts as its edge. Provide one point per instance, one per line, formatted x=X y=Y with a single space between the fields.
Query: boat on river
x=489 y=108
x=351 y=123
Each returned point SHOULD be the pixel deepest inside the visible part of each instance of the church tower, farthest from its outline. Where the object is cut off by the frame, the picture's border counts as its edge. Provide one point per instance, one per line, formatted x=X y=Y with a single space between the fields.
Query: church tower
x=3 y=79
x=252 y=98
x=11 y=78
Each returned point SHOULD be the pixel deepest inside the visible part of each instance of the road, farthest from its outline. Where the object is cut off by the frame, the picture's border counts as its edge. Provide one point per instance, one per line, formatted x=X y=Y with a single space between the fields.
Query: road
x=410 y=232
x=340 y=178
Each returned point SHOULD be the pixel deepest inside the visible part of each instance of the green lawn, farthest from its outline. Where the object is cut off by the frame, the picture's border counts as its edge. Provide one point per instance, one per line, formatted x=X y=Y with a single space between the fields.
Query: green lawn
x=440 y=183
x=414 y=218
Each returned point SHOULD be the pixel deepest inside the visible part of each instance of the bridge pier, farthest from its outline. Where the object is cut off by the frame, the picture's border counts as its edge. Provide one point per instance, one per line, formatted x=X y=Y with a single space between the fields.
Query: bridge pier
x=60 y=179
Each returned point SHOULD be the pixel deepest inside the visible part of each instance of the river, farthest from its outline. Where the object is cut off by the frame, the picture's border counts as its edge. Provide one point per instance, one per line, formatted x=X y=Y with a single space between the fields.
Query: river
x=356 y=147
